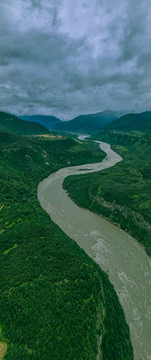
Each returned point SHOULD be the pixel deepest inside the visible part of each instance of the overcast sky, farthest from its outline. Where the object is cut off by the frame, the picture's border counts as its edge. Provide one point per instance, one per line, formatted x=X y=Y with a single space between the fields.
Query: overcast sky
x=68 y=57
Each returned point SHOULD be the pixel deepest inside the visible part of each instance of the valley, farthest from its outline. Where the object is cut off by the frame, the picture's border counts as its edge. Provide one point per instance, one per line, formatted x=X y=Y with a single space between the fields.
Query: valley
x=54 y=298
x=48 y=283
x=123 y=195
x=116 y=252
x=75 y=180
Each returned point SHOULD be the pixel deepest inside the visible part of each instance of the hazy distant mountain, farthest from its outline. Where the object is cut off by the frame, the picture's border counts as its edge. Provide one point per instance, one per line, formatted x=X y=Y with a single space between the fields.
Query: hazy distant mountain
x=11 y=123
x=140 y=122
x=88 y=123
x=48 y=121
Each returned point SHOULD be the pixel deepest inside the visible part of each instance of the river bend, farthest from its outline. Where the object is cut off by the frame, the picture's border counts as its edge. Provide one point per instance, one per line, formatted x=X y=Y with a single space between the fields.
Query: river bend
x=120 y=255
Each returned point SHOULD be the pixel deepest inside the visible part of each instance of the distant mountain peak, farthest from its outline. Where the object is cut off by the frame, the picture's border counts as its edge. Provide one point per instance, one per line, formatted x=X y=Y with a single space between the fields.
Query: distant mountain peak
x=88 y=122
x=49 y=121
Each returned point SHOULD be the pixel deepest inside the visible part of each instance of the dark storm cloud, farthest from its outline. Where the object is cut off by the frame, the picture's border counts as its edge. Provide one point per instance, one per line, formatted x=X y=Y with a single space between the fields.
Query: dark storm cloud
x=64 y=58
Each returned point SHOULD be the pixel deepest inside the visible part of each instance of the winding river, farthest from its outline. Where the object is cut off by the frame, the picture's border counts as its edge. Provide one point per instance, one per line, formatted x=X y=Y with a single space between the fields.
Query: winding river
x=117 y=253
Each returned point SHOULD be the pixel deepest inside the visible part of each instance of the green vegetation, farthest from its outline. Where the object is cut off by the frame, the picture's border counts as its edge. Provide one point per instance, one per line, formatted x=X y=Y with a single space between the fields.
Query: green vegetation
x=140 y=122
x=10 y=123
x=122 y=194
x=55 y=302
x=88 y=123
x=108 y=120
x=47 y=120
x=12 y=248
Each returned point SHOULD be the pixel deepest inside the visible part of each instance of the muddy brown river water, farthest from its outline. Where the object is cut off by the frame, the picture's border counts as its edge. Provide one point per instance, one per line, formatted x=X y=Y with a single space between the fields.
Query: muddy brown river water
x=120 y=255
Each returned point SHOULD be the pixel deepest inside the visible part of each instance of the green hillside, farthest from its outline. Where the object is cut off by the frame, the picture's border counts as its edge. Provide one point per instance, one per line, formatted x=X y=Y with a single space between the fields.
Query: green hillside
x=8 y=138
x=123 y=194
x=15 y=125
x=48 y=121
x=55 y=302
x=88 y=123
x=140 y=122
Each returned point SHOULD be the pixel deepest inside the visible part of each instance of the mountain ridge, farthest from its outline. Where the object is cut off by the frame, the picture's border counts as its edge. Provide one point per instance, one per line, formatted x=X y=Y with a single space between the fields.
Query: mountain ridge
x=132 y=121
x=88 y=122
x=49 y=121
x=13 y=124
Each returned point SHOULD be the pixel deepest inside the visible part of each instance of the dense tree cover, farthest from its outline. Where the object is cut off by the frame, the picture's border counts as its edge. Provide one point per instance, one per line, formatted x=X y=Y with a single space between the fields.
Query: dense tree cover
x=122 y=194
x=141 y=121
x=88 y=123
x=13 y=124
x=55 y=302
x=48 y=121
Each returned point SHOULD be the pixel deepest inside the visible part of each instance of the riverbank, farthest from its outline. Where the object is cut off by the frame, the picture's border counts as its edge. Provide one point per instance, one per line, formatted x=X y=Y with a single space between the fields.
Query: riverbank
x=51 y=291
x=115 y=251
x=122 y=195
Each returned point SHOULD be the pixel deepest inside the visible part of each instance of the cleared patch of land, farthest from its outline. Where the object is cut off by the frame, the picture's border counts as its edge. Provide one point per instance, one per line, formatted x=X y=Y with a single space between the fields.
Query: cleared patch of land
x=47 y=136
x=3 y=349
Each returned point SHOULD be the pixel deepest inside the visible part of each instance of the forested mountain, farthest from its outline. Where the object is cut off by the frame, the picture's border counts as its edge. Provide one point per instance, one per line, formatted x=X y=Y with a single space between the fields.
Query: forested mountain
x=123 y=194
x=11 y=123
x=93 y=122
x=48 y=121
x=88 y=123
x=55 y=302
x=140 y=122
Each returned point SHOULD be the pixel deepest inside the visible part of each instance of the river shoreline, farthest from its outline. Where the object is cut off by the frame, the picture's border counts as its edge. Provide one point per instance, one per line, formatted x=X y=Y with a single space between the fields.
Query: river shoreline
x=114 y=250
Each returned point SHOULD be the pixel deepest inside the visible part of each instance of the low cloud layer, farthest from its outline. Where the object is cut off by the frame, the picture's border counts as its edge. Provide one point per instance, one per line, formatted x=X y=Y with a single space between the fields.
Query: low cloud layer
x=66 y=58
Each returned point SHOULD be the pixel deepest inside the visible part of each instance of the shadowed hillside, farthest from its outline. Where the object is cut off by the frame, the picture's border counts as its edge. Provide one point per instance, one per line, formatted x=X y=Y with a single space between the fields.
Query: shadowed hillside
x=13 y=124
x=48 y=121
x=140 y=122
x=88 y=123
